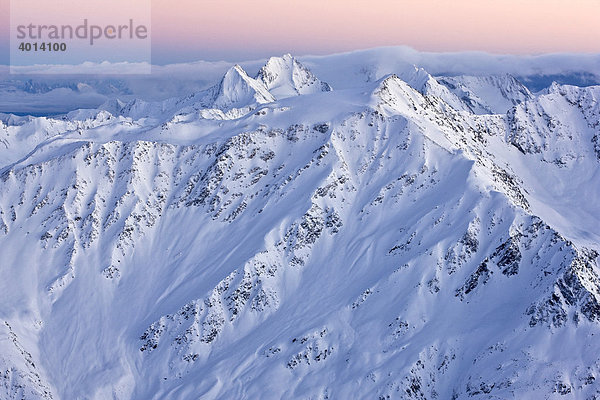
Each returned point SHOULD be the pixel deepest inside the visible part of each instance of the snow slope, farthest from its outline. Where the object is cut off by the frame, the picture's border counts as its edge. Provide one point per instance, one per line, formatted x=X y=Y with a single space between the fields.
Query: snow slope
x=270 y=237
x=488 y=94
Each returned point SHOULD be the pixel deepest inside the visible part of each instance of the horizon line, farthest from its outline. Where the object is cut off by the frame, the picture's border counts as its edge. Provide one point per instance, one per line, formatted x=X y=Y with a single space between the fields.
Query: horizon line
x=317 y=55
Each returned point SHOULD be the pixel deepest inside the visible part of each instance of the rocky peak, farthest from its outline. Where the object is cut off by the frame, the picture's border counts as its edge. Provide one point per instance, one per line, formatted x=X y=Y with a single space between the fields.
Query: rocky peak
x=237 y=90
x=285 y=77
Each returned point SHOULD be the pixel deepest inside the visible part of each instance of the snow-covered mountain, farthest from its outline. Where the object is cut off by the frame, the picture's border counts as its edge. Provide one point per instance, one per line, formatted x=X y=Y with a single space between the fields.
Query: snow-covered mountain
x=51 y=90
x=285 y=76
x=404 y=237
x=488 y=94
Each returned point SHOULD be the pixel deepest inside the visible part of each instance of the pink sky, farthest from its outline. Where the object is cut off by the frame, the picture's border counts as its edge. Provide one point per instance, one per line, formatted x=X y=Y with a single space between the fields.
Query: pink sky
x=197 y=29
x=514 y=26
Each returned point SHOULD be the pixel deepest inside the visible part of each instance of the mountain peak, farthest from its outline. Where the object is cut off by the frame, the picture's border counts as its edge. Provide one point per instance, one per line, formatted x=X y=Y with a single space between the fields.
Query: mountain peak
x=394 y=92
x=237 y=90
x=236 y=70
x=285 y=76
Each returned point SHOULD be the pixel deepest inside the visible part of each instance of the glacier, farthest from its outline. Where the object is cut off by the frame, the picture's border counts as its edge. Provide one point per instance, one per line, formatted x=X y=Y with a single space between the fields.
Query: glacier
x=291 y=230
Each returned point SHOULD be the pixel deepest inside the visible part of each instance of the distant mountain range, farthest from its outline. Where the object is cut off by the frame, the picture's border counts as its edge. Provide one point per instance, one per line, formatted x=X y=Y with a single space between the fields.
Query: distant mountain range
x=66 y=89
